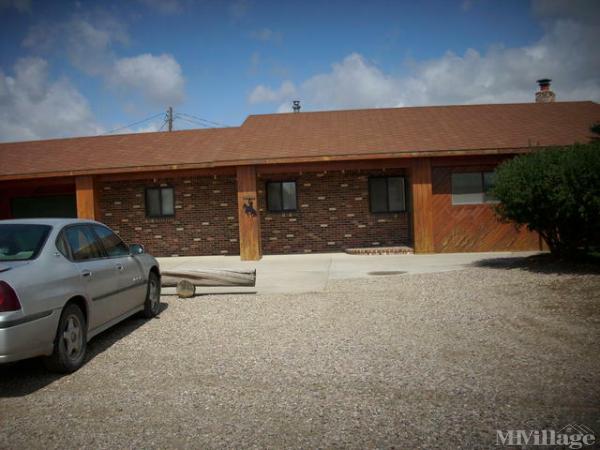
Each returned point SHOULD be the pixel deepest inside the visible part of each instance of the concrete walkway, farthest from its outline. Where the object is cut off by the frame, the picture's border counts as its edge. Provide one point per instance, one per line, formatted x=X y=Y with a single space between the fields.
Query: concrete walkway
x=311 y=272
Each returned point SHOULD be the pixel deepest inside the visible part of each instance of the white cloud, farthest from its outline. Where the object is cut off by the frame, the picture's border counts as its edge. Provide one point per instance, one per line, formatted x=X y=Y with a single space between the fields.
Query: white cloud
x=566 y=53
x=23 y=6
x=164 y=6
x=238 y=9
x=262 y=94
x=158 y=78
x=34 y=107
x=267 y=35
x=89 y=42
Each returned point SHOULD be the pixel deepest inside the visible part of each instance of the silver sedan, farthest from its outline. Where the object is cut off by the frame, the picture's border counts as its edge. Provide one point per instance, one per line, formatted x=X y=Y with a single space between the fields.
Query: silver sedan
x=63 y=281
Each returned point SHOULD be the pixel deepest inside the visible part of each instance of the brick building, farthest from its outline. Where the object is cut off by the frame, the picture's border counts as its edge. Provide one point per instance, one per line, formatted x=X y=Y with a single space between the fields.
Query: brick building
x=297 y=182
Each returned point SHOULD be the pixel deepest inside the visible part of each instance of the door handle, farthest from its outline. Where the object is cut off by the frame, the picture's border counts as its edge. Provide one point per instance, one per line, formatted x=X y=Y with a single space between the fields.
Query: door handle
x=86 y=273
x=119 y=266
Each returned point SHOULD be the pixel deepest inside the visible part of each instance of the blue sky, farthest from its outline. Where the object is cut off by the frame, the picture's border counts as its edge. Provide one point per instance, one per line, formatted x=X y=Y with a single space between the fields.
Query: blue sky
x=71 y=68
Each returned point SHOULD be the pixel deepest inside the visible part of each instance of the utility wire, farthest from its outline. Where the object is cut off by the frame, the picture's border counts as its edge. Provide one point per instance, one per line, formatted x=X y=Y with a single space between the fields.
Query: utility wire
x=134 y=124
x=204 y=120
x=192 y=122
x=163 y=125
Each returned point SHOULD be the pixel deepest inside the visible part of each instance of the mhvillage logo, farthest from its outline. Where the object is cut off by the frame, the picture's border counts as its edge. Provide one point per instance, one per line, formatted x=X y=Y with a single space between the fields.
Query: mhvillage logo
x=572 y=436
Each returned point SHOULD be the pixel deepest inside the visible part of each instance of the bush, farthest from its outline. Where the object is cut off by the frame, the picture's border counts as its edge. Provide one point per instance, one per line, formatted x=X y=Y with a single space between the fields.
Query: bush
x=555 y=192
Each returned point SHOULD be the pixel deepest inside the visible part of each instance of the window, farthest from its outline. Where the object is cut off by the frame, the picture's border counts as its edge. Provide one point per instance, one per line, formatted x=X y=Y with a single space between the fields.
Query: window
x=386 y=194
x=281 y=196
x=22 y=242
x=160 y=202
x=113 y=245
x=470 y=188
x=82 y=242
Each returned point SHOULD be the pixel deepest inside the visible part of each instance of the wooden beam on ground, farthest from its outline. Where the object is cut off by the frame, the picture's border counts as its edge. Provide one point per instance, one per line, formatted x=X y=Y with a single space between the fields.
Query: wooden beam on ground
x=86 y=198
x=422 y=199
x=248 y=213
x=209 y=277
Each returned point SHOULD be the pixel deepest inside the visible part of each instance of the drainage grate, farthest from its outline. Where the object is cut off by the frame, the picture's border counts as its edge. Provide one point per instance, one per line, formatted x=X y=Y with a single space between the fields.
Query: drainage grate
x=388 y=272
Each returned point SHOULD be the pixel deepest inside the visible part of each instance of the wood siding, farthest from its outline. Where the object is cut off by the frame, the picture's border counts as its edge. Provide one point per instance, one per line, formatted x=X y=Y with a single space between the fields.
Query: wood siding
x=86 y=197
x=421 y=191
x=471 y=228
x=248 y=213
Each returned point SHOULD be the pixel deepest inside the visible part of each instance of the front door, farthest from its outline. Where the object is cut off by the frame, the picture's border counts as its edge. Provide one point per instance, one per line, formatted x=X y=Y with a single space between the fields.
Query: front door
x=131 y=282
x=100 y=277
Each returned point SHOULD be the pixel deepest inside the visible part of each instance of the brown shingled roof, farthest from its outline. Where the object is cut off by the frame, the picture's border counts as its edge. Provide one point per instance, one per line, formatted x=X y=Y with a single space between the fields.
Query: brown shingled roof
x=274 y=138
x=417 y=129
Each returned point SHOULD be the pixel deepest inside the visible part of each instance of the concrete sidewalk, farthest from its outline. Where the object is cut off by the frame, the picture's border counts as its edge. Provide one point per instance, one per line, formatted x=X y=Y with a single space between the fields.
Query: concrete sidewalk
x=288 y=274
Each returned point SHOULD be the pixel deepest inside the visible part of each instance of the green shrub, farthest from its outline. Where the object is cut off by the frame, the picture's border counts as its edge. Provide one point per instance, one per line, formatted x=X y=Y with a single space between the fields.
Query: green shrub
x=555 y=192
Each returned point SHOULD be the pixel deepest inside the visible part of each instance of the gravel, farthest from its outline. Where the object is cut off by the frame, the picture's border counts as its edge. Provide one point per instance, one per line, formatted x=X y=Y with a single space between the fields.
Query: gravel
x=411 y=361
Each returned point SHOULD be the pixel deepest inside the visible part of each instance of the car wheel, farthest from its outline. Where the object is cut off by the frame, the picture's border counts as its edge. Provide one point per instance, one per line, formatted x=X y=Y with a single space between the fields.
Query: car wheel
x=71 y=341
x=152 y=303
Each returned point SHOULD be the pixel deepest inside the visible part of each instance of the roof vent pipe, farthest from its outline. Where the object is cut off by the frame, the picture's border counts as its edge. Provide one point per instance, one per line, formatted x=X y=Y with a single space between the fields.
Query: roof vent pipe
x=544 y=95
x=296 y=105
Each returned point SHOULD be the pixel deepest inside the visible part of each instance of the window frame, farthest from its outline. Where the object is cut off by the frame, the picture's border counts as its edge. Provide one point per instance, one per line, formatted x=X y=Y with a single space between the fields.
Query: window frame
x=61 y=235
x=482 y=183
x=387 y=194
x=160 y=201
x=280 y=182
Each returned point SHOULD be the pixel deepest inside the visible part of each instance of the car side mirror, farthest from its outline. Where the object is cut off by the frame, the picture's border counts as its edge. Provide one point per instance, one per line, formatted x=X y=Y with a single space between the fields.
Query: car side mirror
x=136 y=249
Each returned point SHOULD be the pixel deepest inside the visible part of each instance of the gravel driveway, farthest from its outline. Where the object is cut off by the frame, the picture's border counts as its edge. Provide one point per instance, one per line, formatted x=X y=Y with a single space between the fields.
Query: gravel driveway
x=436 y=360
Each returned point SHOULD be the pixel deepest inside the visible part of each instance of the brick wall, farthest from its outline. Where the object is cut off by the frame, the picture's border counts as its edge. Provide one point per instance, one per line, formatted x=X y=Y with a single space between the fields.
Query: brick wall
x=205 y=222
x=333 y=214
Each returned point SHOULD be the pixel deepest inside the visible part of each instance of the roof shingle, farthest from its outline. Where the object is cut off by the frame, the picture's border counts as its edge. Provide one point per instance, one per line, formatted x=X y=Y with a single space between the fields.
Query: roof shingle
x=318 y=135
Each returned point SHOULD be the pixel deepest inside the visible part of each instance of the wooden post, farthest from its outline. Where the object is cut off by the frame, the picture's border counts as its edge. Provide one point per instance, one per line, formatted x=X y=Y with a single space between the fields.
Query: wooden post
x=422 y=199
x=86 y=198
x=248 y=213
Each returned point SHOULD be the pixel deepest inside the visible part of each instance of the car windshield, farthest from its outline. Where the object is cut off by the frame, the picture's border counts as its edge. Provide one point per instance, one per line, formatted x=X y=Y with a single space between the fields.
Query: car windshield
x=20 y=242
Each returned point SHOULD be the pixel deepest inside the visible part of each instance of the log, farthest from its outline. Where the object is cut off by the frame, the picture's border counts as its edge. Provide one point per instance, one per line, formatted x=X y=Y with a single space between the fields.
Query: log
x=209 y=277
x=185 y=289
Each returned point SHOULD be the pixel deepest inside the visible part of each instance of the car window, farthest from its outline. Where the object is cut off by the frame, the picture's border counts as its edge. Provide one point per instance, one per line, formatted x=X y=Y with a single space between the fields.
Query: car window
x=61 y=245
x=19 y=242
x=82 y=242
x=112 y=243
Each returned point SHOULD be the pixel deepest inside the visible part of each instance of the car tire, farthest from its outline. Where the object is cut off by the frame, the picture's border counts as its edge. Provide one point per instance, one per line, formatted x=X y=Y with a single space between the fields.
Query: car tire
x=152 y=303
x=70 y=344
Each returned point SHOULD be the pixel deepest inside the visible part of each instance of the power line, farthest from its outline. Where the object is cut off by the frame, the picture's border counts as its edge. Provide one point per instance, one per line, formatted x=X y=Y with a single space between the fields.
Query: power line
x=192 y=122
x=163 y=125
x=134 y=123
x=169 y=118
x=204 y=120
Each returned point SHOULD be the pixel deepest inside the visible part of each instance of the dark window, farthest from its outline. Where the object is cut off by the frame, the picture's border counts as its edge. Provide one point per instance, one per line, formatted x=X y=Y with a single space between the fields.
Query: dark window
x=281 y=196
x=386 y=194
x=113 y=245
x=61 y=245
x=43 y=206
x=160 y=202
x=489 y=179
x=82 y=242
x=471 y=188
x=22 y=242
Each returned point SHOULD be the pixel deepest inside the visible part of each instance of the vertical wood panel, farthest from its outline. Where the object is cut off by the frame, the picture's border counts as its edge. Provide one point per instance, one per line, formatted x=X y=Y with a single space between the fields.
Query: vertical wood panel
x=86 y=198
x=249 y=216
x=420 y=182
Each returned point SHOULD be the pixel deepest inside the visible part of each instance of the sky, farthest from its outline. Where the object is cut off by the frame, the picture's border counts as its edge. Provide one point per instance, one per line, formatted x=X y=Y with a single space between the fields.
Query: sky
x=78 y=68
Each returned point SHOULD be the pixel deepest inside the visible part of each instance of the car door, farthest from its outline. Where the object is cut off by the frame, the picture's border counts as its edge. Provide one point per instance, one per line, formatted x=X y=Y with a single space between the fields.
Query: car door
x=132 y=283
x=101 y=279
